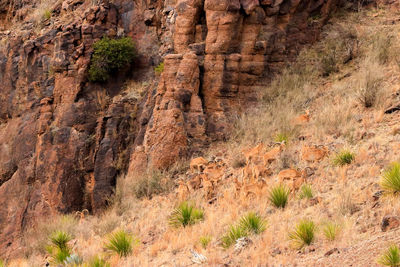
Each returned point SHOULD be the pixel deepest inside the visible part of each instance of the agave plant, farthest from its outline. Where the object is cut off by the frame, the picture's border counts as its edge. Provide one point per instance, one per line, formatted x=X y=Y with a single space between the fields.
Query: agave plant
x=186 y=214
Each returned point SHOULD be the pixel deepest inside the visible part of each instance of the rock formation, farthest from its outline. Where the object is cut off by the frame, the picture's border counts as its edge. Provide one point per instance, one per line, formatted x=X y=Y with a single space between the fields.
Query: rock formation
x=63 y=140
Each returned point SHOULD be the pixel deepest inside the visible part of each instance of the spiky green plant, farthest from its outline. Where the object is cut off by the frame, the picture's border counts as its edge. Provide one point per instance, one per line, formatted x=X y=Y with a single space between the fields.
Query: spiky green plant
x=234 y=233
x=2 y=264
x=98 y=262
x=330 y=230
x=253 y=223
x=185 y=214
x=279 y=196
x=204 y=241
x=344 y=157
x=390 y=181
x=306 y=192
x=303 y=234
x=60 y=239
x=282 y=138
x=390 y=257
x=120 y=242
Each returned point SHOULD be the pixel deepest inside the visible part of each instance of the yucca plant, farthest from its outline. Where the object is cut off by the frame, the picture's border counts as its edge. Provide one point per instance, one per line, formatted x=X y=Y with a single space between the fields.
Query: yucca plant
x=204 y=241
x=344 y=157
x=120 y=242
x=279 y=196
x=306 y=192
x=58 y=249
x=185 y=214
x=282 y=138
x=303 y=234
x=98 y=262
x=235 y=232
x=390 y=181
x=330 y=230
x=390 y=257
x=253 y=223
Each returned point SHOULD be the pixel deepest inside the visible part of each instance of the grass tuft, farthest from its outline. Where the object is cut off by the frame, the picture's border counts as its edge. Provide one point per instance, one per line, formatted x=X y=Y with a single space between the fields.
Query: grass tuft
x=120 y=242
x=390 y=257
x=98 y=262
x=279 y=196
x=253 y=223
x=390 y=181
x=204 y=241
x=282 y=138
x=235 y=232
x=306 y=192
x=343 y=158
x=330 y=230
x=303 y=234
x=186 y=214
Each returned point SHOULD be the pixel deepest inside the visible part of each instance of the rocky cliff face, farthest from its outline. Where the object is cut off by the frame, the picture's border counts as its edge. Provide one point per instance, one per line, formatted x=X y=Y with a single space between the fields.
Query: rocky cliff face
x=63 y=140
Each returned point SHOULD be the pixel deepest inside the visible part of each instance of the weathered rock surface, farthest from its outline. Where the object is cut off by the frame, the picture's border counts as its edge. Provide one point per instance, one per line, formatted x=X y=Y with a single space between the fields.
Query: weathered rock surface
x=63 y=141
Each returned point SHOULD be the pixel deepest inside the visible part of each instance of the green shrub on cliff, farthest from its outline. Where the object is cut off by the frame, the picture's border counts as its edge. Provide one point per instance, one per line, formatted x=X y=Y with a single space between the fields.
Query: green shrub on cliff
x=109 y=56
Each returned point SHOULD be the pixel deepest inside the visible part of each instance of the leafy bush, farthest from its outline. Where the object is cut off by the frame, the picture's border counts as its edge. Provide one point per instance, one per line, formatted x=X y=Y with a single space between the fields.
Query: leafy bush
x=279 y=196
x=159 y=69
x=306 y=191
x=204 y=241
x=344 y=157
x=391 y=257
x=303 y=234
x=121 y=242
x=58 y=249
x=109 y=56
x=186 y=214
x=235 y=232
x=253 y=223
x=330 y=230
x=390 y=181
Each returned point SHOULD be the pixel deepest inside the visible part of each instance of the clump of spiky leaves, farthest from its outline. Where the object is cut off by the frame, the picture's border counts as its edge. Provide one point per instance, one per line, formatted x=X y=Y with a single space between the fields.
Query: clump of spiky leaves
x=390 y=181
x=330 y=230
x=186 y=214
x=204 y=241
x=234 y=233
x=58 y=249
x=121 y=242
x=98 y=262
x=306 y=192
x=344 y=157
x=253 y=223
x=282 y=138
x=303 y=234
x=390 y=257
x=279 y=196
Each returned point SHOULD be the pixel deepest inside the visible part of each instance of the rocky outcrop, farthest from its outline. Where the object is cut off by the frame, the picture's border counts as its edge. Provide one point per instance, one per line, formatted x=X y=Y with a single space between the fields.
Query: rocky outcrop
x=233 y=47
x=64 y=141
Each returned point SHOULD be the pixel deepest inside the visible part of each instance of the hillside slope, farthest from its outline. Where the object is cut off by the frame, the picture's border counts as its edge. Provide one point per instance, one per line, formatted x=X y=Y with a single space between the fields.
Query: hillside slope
x=329 y=121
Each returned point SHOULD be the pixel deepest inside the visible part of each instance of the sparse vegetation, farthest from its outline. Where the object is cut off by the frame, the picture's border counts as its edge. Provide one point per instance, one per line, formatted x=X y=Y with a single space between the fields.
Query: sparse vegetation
x=109 y=56
x=120 y=242
x=390 y=257
x=282 y=138
x=204 y=241
x=390 y=181
x=47 y=14
x=186 y=214
x=369 y=83
x=150 y=184
x=98 y=262
x=234 y=233
x=159 y=69
x=279 y=196
x=344 y=157
x=330 y=230
x=303 y=234
x=306 y=192
x=253 y=223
